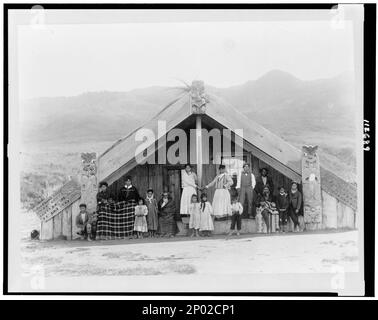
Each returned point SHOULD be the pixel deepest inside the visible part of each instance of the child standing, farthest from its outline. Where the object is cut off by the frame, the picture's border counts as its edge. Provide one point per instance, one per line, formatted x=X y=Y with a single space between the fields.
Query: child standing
x=195 y=218
x=140 y=224
x=152 y=216
x=282 y=203
x=237 y=210
x=206 y=220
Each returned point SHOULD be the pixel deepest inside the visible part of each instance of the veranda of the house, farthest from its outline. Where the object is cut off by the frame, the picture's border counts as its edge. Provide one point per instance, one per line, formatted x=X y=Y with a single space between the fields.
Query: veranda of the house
x=228 y=151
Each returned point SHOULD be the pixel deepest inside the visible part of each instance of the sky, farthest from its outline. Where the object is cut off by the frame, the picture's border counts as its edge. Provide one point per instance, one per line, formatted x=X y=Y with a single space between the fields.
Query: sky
x=70 y=59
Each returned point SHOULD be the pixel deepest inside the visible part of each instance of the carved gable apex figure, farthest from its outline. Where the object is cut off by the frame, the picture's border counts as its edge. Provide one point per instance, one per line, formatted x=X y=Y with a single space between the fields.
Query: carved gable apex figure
x=89 y=163
x=198 y=97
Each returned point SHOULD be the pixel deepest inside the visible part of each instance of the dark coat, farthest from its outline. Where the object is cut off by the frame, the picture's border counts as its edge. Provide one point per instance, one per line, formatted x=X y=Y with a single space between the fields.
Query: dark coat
x=260 y=184
x=103 y=196
x=169 y=210
x=167 y=218
x=128 y=194
x=295 y=200
x=282 y=202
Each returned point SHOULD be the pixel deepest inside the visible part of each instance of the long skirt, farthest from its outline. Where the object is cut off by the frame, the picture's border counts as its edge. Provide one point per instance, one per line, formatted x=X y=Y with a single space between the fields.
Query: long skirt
x=152 y=217
x=222 y=203
x=167 y=225
x=186 y=197
x=206 y=222
x=195 y=220
x=140 y=224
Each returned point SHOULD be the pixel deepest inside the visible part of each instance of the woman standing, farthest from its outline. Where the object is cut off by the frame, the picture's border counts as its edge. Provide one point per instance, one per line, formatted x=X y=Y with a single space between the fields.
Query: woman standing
x=167 y=221
x=189 y=187
x=295 y=203
x=130 y=195
x=222 y=199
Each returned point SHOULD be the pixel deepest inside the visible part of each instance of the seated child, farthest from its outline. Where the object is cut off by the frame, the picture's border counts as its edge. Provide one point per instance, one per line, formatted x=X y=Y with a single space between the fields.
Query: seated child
x=84 y=222
x=206 y=220
x=282 y=202
x=194 y=220
x=140 y=224
x=237 y=210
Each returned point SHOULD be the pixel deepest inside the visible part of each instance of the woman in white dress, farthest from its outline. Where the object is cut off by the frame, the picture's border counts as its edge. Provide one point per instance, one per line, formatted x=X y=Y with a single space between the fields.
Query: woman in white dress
x=189 y=187
x=222 y=198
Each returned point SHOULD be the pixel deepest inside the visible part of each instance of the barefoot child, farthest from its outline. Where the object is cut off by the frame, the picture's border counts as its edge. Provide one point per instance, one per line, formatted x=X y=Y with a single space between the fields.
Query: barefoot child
x=140 y=224
x=206 y=220
x=237 y=210
x=152 y=216
x=194 y=211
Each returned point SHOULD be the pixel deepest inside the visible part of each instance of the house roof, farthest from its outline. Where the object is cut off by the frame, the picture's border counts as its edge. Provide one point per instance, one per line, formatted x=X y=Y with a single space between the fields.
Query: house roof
x=123 y=151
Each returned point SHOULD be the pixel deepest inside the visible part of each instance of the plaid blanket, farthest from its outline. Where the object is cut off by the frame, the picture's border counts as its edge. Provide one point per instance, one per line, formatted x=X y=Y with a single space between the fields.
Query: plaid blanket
x=115 y=221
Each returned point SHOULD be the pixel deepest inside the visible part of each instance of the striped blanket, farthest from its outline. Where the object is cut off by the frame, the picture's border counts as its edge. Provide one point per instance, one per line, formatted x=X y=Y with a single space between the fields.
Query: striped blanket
x=115 y=221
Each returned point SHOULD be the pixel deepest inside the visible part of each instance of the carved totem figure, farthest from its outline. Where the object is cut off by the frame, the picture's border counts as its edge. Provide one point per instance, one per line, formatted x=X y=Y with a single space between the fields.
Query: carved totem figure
x=312 y=201
x=88 y=181
x=198 y=97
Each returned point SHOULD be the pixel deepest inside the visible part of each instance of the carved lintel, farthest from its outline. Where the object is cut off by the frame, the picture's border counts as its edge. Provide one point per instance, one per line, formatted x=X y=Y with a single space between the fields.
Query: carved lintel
x=311 y=185
x=199 y=98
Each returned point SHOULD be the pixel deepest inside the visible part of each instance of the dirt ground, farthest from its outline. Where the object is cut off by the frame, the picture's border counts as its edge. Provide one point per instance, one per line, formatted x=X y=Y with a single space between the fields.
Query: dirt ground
x=316 y=252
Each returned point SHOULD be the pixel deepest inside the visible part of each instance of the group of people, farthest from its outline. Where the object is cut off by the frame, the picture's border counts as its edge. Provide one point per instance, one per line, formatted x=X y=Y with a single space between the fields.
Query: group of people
x=149 y=215
x=152 y=217
x=250 y=190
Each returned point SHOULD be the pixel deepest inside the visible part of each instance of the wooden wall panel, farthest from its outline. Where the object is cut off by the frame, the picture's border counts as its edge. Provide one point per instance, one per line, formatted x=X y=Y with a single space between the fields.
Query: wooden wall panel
x=208 y=174
x=67 y=223
x=75 y=211
x=47 y=230
x=329 y=204
x=57 y=225
x=345 y=216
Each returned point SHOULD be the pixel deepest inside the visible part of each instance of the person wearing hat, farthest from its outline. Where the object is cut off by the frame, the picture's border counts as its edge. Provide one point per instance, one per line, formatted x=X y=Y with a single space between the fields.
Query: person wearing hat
x=263 y=180
x=103 y=195
x=84 y=222
x=245 y=184
x=295 y=203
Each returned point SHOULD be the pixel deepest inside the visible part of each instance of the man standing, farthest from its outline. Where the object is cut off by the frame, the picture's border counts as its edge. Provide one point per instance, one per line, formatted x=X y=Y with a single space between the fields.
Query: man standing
x=264 y=180
x=245 y=184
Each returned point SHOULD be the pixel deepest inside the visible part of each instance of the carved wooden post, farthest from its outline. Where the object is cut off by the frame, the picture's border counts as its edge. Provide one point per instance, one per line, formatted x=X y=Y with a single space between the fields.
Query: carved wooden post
x=198 y=100
x=312 y=202
x=88 y=181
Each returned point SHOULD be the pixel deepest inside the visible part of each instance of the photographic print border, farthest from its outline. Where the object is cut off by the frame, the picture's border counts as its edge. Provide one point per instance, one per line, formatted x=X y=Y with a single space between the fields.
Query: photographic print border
x=369 y=157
